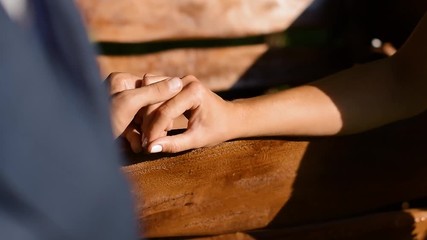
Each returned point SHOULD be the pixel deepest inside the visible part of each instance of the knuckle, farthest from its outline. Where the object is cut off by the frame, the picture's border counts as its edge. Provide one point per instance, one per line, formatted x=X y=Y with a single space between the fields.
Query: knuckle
x=196 y=89
x=116 y=81
x=114 y=77
x=173 y=147
x=122 y=81
x=190 y=78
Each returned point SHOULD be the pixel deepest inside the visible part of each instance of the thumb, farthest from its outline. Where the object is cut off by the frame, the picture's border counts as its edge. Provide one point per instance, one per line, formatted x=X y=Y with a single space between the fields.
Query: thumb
x=126 y=104
x=174 y=144
x=154 y=93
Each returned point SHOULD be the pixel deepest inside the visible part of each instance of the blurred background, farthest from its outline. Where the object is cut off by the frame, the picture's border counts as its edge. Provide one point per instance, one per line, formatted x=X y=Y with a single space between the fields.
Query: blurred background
x=242 y=48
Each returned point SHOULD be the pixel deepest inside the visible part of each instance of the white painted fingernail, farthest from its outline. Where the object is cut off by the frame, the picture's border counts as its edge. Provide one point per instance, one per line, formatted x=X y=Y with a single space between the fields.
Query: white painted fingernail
x=156 y=149
x=175 y=84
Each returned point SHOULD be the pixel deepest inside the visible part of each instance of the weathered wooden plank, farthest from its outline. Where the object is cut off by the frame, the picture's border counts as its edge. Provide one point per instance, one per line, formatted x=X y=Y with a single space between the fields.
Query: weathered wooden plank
x=249 y=184
x=218 y=68
x=193 y=194
x=252 y=66
x=398 y=225
x=228 y=236
x=150 y=20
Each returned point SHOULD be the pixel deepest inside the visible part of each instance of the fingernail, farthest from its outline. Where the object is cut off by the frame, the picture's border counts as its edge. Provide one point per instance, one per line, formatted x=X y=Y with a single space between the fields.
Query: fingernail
x=156 y=149
x=175 y=84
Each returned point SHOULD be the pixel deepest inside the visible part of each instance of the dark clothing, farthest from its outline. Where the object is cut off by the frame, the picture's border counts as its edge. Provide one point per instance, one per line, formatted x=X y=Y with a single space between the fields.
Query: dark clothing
x=59 y=168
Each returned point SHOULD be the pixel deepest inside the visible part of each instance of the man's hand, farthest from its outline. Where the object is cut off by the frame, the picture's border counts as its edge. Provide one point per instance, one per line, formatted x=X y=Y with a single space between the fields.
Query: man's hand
x=129 y=95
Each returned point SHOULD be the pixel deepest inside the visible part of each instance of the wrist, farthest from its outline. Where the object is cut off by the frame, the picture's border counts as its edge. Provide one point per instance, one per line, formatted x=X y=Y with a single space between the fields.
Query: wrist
x=239 y=121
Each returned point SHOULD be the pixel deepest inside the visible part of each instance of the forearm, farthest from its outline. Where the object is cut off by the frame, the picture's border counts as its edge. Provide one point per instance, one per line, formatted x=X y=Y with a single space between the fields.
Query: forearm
x=355 y=100
x=298 y=111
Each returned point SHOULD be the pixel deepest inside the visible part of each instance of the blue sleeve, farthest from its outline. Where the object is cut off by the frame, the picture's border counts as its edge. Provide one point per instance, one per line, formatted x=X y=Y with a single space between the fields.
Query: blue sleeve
x=60 y=172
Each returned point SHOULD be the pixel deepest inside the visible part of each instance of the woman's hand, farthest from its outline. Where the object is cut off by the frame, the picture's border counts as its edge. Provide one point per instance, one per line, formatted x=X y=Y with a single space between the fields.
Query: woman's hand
x=211 y=120
x=129 y=94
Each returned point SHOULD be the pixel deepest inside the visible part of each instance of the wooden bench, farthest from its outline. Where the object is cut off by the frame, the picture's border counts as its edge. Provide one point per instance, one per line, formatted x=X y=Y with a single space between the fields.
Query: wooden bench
x=227 y=44
x=366 y=186
x=283 y=185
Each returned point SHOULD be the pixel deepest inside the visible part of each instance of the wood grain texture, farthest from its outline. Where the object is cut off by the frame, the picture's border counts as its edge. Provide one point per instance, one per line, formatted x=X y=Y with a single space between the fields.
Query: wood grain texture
x=151 y=20
x=218 y=68
x=277 y=183
x=396 y=225
x=193 y=194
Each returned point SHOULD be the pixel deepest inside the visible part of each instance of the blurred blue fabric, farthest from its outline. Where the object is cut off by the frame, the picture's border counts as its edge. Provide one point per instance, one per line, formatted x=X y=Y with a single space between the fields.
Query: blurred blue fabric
x=60 y=172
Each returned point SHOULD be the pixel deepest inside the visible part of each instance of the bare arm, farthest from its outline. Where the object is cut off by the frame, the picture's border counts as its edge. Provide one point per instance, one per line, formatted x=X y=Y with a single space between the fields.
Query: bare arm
x=358 y=99
x=355 y=100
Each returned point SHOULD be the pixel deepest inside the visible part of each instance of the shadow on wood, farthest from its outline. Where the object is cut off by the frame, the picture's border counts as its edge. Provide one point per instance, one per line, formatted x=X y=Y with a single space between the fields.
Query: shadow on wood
x=277 y=183
x=398 y=225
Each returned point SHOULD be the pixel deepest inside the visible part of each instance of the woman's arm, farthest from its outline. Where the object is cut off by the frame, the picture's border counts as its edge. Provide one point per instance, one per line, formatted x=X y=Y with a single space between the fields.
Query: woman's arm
x=354 y=100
